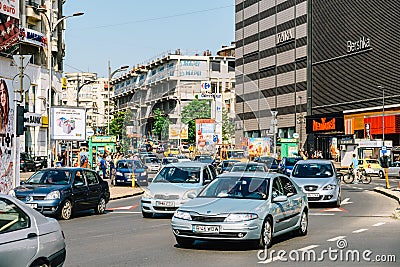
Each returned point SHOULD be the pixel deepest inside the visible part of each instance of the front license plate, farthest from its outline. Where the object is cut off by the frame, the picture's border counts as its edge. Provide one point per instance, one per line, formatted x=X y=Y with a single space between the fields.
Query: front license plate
x=32 y=205
x=165 y=203
x=312 y=195
x=205 y=229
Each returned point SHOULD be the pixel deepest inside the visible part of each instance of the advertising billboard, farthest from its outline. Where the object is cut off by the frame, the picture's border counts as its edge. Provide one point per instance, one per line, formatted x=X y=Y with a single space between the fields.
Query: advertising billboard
x=259 y=146
x=205 y=131
x=174 y=131
x=9 y=25
x=68 y=123
x=7 y=136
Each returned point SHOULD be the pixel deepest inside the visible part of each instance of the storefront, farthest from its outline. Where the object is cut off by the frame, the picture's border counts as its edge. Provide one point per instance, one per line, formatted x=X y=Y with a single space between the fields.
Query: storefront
x=323 y=132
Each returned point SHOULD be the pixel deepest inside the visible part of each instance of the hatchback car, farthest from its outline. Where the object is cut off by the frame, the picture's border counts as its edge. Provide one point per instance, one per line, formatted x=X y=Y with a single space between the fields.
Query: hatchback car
x=152 y=163
x=125 y=169
x=174 y=185
x=394 y=169
x=319 y=180
x=271 y=162
x=242 y=207
x=225 y=165
x=62 y=191
x=286 y=165
x=27 y=238
x=372 y=167
x=249 y=167
x=26 y=162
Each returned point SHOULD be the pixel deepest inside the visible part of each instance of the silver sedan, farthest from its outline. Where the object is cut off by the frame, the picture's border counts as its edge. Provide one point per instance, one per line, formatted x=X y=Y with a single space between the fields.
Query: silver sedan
x=246 y=206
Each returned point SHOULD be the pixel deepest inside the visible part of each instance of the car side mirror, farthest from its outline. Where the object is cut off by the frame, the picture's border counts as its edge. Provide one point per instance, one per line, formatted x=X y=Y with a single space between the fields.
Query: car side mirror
x=339 y=175
x=280 y=199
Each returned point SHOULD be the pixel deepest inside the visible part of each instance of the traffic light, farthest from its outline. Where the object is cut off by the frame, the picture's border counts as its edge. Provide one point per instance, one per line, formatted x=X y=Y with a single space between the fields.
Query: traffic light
x=20 y=120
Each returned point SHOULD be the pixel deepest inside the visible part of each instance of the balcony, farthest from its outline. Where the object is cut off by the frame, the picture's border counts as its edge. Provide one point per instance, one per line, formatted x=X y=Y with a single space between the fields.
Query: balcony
x=31 y=14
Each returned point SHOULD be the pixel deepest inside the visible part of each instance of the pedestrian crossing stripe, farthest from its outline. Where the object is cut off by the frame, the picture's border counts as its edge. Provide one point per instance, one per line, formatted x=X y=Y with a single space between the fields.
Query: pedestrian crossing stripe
x=335 y=209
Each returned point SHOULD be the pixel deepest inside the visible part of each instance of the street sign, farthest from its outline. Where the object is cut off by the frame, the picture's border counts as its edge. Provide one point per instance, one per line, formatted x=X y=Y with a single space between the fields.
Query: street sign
x=296 y=135
x=21 y=60
x=384 y=149
x=206 y=87
x=215 y=138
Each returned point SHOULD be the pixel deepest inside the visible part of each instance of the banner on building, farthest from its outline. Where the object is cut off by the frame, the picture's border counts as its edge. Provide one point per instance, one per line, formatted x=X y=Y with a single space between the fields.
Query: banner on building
x=259 y=146
x=68 y=123
x=9 y=25
x=7 y=132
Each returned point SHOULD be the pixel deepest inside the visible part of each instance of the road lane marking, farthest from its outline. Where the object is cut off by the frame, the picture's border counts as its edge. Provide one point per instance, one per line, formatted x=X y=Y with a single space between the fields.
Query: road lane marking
x=321 y=214
x=308 y=248
x=126 y=212
x=379 y=224
x=336 y=238
x=123 y=208
x=335 y=209
x=360 y=231
x=345 y=201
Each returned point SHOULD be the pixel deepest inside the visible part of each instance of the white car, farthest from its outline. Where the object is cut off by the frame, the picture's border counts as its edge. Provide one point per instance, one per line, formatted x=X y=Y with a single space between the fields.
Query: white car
x=27 y=238
x=153 y=164
x=394 y=169
x=182 y=158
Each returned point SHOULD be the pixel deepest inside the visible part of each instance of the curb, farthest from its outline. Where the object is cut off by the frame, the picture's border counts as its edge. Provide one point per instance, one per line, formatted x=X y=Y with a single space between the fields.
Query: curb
x=126 y=196
x=388 y=193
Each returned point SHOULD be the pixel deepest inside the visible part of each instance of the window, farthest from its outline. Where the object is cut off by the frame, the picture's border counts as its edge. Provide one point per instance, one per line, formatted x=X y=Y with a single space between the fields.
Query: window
x=276 y=188
x=215 y=65
x=288 y=188
x=79 y=178
x=12 y=218
x=231 y=66
x=206 y=175
x=91 y=178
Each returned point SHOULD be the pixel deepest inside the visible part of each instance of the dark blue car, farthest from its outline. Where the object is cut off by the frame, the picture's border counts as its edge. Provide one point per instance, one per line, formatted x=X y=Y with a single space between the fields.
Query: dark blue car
x=126 y=168
x=286 y=165
x=62 y=191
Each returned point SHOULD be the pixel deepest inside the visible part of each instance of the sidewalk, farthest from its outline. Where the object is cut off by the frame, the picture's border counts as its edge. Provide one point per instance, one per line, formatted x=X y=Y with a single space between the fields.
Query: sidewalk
x=117 y=192
x=393 y=193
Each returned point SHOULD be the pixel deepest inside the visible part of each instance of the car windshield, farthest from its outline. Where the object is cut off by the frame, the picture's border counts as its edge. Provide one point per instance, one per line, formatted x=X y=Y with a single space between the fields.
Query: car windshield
x=175 y=174
x=268 y=161
x=313 y=170
x=152 y=160
x=247 y=168
x=237 y=187
x=236 y=154
x=226 y=164
x=129 y=164
x=169 y=160
x=59 y=177
x=292 y=161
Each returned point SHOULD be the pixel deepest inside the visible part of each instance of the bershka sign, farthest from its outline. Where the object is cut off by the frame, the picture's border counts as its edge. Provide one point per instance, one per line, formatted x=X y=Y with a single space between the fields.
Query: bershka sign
x=284 y=36
x=361 y=44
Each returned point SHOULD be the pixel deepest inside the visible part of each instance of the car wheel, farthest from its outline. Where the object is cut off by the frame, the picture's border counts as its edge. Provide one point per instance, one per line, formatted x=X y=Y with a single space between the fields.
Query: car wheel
x=303 y=224
x=184 y=242
x=101 y=206
x=147 y=214
x=40 y=263
x=265 y=240
x=381 y=175
x=66 y=210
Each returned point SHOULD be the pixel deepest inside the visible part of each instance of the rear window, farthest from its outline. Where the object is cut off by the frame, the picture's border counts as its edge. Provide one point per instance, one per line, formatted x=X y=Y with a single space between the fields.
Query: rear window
x=291 y=161
x=372 y=161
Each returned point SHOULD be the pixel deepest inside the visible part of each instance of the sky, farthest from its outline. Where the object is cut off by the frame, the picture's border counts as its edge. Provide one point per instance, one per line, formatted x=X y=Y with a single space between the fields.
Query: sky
x=130 y=32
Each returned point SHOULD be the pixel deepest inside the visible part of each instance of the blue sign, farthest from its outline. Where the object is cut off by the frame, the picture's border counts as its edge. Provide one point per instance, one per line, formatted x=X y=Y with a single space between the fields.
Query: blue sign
x=384 y=149
x=206 y=86
x=215 y=138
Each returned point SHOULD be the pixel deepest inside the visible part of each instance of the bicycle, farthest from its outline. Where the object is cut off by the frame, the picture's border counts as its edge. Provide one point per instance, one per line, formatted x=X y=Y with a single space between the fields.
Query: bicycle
x=363 y=177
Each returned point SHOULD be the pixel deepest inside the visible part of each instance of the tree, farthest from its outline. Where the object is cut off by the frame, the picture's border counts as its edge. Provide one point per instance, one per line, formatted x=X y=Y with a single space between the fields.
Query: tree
x=117 y=123
x=197 y=109
x=228 y=128
x=161 y=125
x=118 y=126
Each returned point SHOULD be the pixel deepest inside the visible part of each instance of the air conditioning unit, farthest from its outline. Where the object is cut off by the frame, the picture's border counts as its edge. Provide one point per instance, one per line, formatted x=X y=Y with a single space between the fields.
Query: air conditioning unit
x=342 y=147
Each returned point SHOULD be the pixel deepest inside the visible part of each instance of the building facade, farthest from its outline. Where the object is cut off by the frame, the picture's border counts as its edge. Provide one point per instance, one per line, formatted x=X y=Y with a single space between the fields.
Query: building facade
x=335 y=63
x=171 y=82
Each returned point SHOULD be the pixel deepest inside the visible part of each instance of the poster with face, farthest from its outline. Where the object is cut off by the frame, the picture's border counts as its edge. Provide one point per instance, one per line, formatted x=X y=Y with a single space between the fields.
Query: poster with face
x=7 y=135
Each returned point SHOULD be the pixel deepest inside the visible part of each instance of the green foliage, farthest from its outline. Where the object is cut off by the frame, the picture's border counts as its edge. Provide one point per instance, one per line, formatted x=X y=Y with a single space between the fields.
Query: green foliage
x=197 y=109
x=228 y=127
x=118 y=128
x=161 y=125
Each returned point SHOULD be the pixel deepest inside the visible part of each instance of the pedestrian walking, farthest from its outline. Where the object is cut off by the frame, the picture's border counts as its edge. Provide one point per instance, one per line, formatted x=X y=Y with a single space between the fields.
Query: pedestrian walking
x=103 y=165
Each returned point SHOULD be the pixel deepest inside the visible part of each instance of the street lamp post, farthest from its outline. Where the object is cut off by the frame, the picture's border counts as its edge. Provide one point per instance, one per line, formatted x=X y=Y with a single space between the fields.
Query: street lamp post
x=52 y=26
x=110 y=75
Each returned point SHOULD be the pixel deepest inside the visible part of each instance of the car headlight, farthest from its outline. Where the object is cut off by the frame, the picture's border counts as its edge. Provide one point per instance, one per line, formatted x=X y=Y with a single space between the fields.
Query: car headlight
x=11 y=193
x=240 y=217
x=184 y=215
x=119 y=174
x=329 y=187
x=53 y=195
x=189 y=194
x=147 y=193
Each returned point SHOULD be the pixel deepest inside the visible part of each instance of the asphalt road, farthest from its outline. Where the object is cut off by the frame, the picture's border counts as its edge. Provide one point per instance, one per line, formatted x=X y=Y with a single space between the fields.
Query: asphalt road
x=121 y=237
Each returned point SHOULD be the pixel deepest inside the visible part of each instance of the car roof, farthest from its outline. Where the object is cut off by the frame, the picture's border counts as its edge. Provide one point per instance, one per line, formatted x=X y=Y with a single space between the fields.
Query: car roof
x=315 y=161
x=66 y=169
x=188 y=164
x=248 y=174
x=249 y=164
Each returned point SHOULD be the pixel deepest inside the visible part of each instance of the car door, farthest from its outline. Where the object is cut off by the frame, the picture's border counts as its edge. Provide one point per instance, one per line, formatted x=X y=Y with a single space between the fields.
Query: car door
x=279 y=210
x=18 y=235
x=94 y=188
x=80 y=191
x=294 y=201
